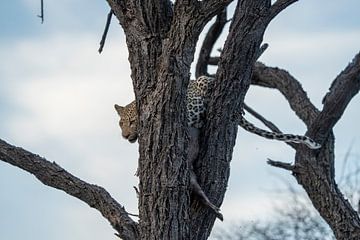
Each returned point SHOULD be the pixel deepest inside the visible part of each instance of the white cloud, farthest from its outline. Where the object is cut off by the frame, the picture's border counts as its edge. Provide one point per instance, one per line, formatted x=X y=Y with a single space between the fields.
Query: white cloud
x=65 y=88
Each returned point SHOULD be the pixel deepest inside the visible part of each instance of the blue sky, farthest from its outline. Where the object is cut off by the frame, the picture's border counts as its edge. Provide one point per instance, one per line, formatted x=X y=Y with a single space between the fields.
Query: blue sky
x=57 y=95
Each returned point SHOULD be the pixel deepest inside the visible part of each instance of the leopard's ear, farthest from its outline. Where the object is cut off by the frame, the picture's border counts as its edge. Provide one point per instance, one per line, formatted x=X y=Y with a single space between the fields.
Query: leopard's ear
x=119 y=109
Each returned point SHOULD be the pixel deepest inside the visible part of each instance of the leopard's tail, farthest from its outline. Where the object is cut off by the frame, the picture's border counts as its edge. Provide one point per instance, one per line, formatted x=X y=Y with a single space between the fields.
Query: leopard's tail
x=278 y=136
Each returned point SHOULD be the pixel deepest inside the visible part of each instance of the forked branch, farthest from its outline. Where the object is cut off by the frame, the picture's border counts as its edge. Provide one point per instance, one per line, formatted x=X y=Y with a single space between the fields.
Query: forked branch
x=51 y=174
x=315 y=170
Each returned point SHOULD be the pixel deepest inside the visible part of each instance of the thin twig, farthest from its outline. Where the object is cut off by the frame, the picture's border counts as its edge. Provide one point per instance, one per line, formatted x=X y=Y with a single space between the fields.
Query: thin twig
x=41 y=11
x=266 y=122
x=286 y=166
x=107 y=25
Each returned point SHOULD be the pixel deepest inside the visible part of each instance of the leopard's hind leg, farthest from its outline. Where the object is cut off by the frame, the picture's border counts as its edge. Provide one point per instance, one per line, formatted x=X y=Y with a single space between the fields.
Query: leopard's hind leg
x=195 y=187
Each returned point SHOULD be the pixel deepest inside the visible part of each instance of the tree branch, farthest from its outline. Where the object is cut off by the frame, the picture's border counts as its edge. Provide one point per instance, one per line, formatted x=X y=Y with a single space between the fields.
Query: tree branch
x=286 y=166
x=54 y=176
x=290 y=88
x=41 y=16
x=208 y=44
x=315 y=170
x=266 y=122
x=278 y=6
x=345 y=86
x=106 y=29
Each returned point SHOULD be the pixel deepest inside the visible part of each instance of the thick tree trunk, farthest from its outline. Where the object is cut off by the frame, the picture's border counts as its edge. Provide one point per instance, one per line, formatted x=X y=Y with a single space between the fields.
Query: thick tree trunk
x=160 y=56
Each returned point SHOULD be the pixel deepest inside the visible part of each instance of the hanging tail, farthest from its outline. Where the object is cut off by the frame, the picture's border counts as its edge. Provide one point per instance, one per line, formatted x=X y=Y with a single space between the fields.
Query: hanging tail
x=278 y=136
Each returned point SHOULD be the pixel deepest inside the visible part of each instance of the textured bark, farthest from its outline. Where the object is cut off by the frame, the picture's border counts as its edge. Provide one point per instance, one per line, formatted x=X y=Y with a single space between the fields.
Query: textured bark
x=160 y=62
x=231 y=84
x=160 y=83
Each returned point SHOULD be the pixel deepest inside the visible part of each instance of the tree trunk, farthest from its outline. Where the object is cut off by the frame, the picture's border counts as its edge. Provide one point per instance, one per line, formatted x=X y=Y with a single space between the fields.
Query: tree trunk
x=160 y=56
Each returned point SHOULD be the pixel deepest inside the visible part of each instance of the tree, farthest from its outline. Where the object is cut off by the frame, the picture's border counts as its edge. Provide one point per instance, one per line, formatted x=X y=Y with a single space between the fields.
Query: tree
x=161 y=39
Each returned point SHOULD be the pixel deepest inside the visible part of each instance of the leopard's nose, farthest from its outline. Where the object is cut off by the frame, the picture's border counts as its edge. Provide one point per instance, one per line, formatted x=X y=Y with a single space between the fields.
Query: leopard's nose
x=125 y=135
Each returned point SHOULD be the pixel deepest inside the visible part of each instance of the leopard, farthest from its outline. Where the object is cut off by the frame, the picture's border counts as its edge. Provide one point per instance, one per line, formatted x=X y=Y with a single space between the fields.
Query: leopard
x=128 y=121
x=197 y=100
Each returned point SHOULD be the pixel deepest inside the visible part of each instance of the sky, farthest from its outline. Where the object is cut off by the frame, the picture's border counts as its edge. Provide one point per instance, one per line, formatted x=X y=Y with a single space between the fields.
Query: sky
x=57 y=95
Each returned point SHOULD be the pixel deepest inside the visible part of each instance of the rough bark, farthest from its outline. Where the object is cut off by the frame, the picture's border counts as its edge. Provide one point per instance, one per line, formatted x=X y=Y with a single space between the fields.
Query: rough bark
x=161 y=50
x=233 y=76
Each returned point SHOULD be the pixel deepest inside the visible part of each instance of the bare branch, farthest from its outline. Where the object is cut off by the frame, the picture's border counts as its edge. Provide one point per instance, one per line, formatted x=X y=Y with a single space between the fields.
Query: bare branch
x=54 y=176
x=286 y=166
x=208 y=44
x=342 y=90
x=107 y=25
x=278 y=6
x=317 y=170
x=41 y=16
x=291 y=89
x=266 y=122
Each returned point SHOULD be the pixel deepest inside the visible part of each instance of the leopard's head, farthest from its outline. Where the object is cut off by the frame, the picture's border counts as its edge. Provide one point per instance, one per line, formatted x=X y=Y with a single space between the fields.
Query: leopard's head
x=128 y=121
